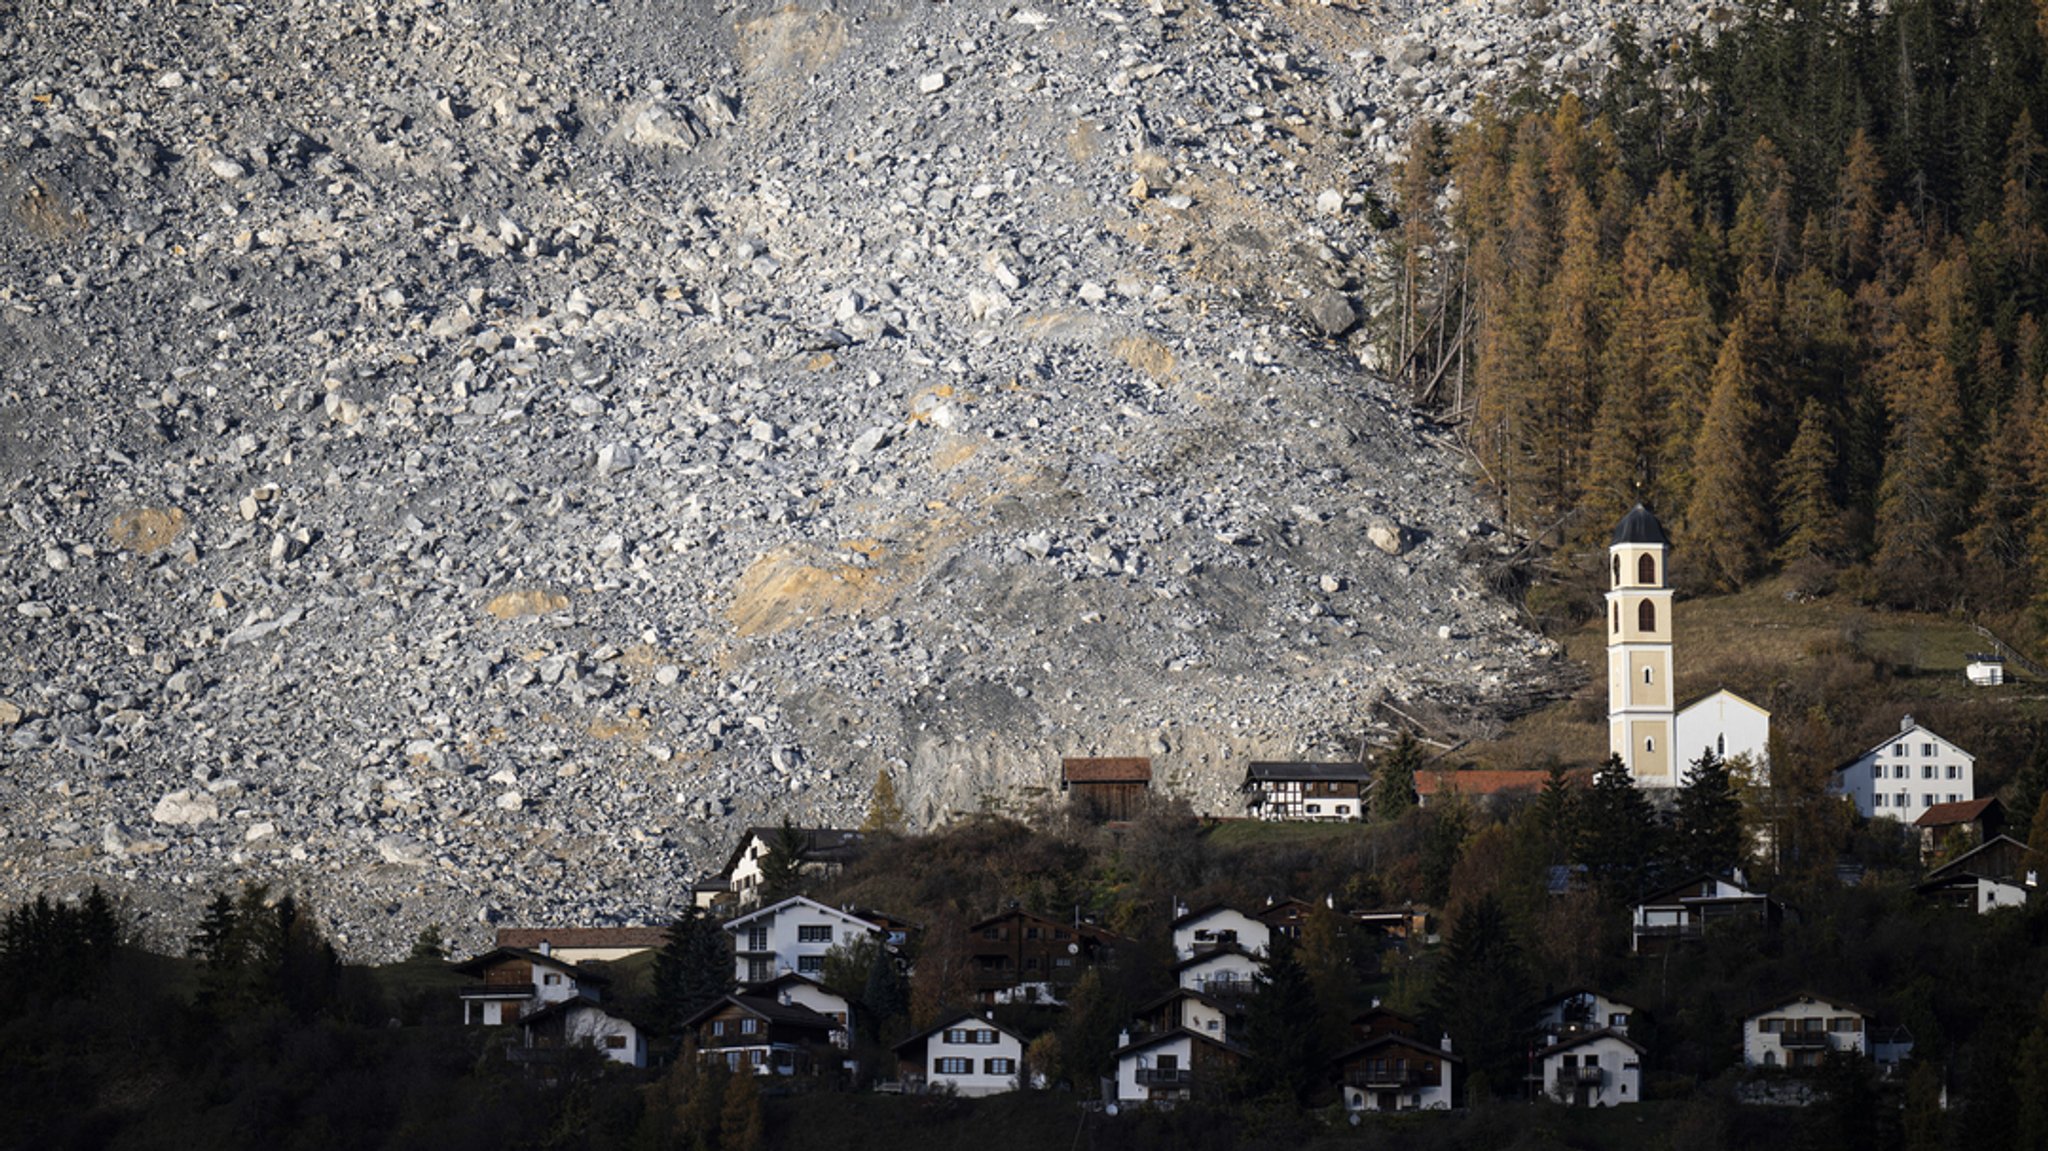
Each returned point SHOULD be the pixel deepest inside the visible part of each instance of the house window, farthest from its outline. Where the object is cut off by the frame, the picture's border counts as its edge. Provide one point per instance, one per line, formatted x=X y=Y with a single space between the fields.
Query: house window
x=991 y=933
x=1649 y=743
x=760 y=971
x=749 y=1026
x=957 y=1035
x=1031 y=933
x=1646 y=616
x=1926 y=749
x=1845 y=1023
x=1898 y=749
x=810 y=964
x=1315 y=808
x=615 y=1042
x=1927 y=801
x=732 y=1061
x=1031 y=963
x=953 y=1066
x=718 y=1027
x=1877 y=771
x=1646 y=570
x=1720 y=745
x=814 y=933
x=551 y=980
x=757 y=1057
x=1903 y=800
x=757 y=939
x=1954 y=798
x=1646 y=675
x=1926 y=771
x=1954 y=772
x=1618 y=1020
x=999 y=1067
x=1880 y=802
x=985 y=1036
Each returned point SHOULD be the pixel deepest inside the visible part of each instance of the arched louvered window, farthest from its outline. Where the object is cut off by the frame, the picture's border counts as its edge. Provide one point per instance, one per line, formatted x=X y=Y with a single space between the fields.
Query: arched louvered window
x=1646 y=616
x=1646 y=569
x=1617 y=571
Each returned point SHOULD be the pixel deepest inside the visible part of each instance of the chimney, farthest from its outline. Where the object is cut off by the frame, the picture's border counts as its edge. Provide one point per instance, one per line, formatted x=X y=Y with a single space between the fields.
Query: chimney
x=1447 y=1043
x=1123 y=1038
x=1906 y=723
x=546 y=948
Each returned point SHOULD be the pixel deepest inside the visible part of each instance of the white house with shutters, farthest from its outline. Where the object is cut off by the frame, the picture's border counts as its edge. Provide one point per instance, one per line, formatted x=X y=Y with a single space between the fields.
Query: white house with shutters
x=1906 y=774
x=1599 y=1068
x=1210 y=928
x=792 y=936
x=965 y=1054
x=1802 y=1030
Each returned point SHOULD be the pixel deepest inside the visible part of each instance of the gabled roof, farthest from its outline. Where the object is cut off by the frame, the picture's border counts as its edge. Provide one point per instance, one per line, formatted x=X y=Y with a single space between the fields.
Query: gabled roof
x=821 y=845
x=1110 y=769
x=1806 y=997
x=1158 y=1038
x=791 y=904
x=499 y=955
x=1574 y=993
x=1968 y=862
x=1268 y=770
x=1697 y=700
x=1398 y=1041
x=562 y=1007
x=955 y=1018
x=1640 y=526
x=773 y=988
x=1949 y=814
x=1904 y=735
x=1676 y=892
x=1220 y=951
x=1477 y=782
x=1207 y=910
x=1585 y=1037
x=773 y=1010
x=1184 y=993
x=1084 y=930
x=582 y=937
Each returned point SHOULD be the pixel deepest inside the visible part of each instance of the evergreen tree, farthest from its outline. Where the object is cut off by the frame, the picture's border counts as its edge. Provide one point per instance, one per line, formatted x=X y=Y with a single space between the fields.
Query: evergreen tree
x=1443 y=843
x=429 y=946
x=1859 y=207
x=1393 y=783
x=1708 y=824
x=1557 y=814
x=1726 y=521
x=1283 y=1028
x=218 y=940
x=1325 y=956
x=1617 y=833
x=1482 y=985
x=1807 y=511
x=693 y=968
x=1995 y=545
x=782 y=866
x=740 y=1124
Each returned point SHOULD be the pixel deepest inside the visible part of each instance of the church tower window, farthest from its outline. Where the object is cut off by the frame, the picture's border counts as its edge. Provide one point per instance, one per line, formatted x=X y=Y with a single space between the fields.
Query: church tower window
x=1646 y=616
x=1646 y=569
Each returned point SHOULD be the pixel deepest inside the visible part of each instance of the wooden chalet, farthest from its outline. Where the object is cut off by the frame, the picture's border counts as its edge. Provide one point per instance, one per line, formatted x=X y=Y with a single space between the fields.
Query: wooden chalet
x=763 y=1035
x=1111 y=789
x=1019 y=955
x=1980 y=819
x=1393 y=1072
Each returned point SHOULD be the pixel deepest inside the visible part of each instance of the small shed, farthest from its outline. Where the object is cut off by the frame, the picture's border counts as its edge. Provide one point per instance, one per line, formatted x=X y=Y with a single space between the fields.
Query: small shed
x=1111 y=788
x=1985 y=670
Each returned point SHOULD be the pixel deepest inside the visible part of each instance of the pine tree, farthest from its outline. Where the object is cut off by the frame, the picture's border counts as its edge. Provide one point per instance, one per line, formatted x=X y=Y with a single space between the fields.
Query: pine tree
x=1807 y=511
x=1859 y=207
x=1443 y=844
x=1995 y=545
x=1708 y=819
x=1325 y=956
x=1283 y=1028
x=1393 y=783
x=693 y=968
x=1726 y=520
x=1617 y=833
x=1557 y=813
x=1481 y=987
x=429 y=947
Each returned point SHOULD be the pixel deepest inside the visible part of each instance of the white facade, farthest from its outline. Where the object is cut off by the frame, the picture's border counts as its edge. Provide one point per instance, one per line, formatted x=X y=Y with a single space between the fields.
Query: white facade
x=1800 y=1032
x=1907 y=774
x=1220 y=973
x=1394 y=1073
x=1167 y=1067
x=1203 y=931
x=792 y=936
x=804 y=992
x=1993 y=894
x=1640 y=703
x=501 y=1001
x=972 y=1056
x=1600 y=1069
x=1729 y=726
x=585 y=1023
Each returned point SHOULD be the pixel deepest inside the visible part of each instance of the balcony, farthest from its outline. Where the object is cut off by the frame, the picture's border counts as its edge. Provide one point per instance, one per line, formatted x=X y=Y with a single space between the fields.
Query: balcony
x=1165 y=1076
x=1387 y=1079
x=1668 y=931
x=1804 y=1039
x=1579 y=1076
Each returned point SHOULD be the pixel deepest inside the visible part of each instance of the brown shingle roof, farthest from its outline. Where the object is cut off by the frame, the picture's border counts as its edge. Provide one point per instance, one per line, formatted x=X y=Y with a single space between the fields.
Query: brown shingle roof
x=581 y=937
x=1125 y=769
x=1944 y=814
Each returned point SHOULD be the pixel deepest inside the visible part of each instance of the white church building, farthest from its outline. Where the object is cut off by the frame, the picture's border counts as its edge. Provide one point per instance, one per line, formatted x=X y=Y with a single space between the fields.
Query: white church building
x=1652 y=735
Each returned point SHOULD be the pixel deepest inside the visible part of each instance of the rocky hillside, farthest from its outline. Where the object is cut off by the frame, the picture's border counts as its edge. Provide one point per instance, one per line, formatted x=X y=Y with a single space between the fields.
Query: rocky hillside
x=462 y=460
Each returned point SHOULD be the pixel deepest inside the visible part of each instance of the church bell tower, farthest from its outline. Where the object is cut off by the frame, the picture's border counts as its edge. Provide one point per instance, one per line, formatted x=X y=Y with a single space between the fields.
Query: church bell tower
x=1640 y=721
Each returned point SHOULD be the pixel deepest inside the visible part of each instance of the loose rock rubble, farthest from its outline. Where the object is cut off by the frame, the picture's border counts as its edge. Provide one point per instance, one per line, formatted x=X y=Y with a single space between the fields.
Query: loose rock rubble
x=464 y=460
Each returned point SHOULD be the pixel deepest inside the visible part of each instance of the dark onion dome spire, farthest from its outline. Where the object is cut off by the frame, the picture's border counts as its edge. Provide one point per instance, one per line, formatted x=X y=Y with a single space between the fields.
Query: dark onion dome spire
x=1639 y=526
